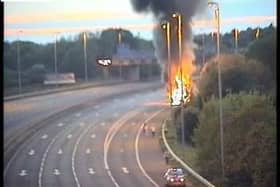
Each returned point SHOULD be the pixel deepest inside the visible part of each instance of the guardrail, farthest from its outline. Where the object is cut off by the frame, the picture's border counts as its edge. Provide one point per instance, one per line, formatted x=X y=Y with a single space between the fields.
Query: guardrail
x=190 y=170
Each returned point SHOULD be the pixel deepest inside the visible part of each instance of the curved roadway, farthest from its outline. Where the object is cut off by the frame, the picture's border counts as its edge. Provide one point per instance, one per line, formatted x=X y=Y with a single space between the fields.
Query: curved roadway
x=101 y=145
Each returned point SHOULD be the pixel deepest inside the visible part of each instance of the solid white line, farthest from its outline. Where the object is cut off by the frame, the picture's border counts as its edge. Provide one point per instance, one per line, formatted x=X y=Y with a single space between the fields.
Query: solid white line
x=137 y=150
x=74 y=154
x=43 y=161
x=109 y=136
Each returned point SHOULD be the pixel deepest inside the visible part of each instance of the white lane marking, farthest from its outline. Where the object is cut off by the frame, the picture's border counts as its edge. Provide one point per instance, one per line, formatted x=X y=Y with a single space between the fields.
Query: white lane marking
x=82 y=124
x=78 y=114
x=43 y=161
x=125 y=170
x=103 y=124
x=45 y=136
x=88 y=151
x=74 y=154
x=137 y=150
x=109 y=136
x=56 y=172
x=59 y=152
x=69 y=136
x=90 y=171
x=60 y=124
x=22 y=173
x=93 y=136
x=31 y=152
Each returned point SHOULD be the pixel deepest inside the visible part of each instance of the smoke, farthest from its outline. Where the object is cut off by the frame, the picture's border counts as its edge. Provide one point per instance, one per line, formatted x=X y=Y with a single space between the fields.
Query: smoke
x=162 y=11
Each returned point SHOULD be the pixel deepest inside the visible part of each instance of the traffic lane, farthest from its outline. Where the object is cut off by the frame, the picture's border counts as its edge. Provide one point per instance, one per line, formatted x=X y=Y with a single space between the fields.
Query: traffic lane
x=24 y=167
x=60 y=165
x=90 y=170
x=150 y=153
x=28 y=110
x=57 y=170
x=122 y=151
x=127 y=104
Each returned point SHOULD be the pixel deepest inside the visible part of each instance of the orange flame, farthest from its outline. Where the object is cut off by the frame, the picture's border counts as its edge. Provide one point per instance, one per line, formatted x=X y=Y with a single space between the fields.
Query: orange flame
x=179 y=88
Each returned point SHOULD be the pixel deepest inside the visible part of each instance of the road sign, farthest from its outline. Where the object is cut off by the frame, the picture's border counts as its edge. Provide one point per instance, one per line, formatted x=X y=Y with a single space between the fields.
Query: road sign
x=104 y=61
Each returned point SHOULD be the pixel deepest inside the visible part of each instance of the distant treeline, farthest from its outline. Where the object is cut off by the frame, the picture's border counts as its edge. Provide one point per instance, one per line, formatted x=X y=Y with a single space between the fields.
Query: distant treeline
x=38 y=59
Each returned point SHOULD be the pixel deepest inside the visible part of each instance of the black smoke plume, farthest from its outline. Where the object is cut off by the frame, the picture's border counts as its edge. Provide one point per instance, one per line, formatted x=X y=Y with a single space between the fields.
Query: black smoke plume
x=163 y=10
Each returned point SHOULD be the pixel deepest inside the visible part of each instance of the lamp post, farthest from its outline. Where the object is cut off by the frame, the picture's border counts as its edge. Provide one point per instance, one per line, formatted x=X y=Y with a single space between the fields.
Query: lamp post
x=85 y=56
x=55 y=59
x=179 y=24
x=166 y=27
x=236 y=34
x=217 y=16
x=18 y=65
x=203 y=49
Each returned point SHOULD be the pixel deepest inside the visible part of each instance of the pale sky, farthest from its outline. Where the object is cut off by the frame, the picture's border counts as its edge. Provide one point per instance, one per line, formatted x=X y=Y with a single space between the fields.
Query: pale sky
x=39 y=20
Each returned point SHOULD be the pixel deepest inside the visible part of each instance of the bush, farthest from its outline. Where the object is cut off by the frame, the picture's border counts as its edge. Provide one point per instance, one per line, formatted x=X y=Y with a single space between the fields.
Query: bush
x=249 y=140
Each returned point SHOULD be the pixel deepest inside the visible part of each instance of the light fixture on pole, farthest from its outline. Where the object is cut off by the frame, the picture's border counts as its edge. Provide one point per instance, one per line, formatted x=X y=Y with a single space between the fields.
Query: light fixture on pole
x=215 y=5
x=179 y=32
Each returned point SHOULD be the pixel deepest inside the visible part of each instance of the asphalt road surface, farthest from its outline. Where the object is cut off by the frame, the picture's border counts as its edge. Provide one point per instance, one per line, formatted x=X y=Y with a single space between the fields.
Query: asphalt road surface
x=101 y=145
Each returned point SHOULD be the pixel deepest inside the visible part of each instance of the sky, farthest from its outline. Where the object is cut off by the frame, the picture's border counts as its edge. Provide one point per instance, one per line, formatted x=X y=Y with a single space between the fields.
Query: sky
x=41 y=20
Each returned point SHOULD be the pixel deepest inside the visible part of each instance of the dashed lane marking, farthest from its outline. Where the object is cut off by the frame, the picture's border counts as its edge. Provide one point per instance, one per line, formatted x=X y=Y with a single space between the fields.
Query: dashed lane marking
x=31 y=152
x=88 y=151
x=56 y=172
x=45 y=136
x=22 y=173
x=60 y=151
x=60 y=124
x=90 y=171
x=125 y=170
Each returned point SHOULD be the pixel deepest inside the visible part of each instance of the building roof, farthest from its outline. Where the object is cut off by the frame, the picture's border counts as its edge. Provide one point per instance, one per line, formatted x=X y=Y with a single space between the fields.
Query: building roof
x=124 y=53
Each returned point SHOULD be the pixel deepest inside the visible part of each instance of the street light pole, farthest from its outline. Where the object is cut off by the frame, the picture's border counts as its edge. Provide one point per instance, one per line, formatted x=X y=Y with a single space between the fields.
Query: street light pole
x=166 y=26
x=55 y=61
x=203 y=50
x=85 y=56
x=217 y=13
x=179 y=18
x=236 y=40
x=18 y=65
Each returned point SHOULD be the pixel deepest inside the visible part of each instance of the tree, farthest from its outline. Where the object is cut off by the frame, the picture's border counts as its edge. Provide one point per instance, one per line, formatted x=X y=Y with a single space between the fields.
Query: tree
x=237 y=73
x=249 y=140
x=264 y=50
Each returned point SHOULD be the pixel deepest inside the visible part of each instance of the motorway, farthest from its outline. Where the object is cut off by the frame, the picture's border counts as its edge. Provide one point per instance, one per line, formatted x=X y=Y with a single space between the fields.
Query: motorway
x=101 y=143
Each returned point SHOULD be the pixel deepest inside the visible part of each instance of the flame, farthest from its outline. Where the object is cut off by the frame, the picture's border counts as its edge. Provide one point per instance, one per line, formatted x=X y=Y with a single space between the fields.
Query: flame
x=180 y=86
